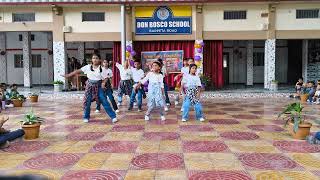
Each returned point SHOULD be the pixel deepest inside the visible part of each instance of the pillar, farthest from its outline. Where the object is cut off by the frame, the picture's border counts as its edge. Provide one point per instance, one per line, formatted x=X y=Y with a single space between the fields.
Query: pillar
x=59 y=48
x=249 y=63
x=123 y=33
x=50 y=56
x=269 y=62
x=198 y=51
x=81 y=51
x=3 y=58
x=27 y=61
x=305 y=60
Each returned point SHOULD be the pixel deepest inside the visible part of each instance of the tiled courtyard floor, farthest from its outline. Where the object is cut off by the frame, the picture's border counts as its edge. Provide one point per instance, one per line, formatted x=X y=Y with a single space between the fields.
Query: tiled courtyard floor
x=241 y=139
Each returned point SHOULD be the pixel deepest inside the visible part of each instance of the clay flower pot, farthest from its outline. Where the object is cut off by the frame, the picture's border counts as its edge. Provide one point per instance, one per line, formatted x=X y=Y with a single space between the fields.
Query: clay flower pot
x=34 y=98
x=17 y=102
x=31 y=131
x=304 y=97
x=303 y=130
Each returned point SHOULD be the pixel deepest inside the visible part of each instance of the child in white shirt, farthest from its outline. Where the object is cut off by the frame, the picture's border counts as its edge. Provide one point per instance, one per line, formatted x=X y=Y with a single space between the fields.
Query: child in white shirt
x=192 y=84
x=137 y=75
x=125 y=85
x=155 y=90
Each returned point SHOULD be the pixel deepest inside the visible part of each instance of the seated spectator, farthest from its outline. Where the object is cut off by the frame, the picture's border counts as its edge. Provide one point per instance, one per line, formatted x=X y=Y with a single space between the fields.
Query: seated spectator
x=6 y=136
x=310 y=90
x=316 y=98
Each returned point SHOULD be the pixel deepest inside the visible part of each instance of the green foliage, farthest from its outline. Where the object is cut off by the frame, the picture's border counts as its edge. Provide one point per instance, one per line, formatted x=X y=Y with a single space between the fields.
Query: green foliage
x=18 y=97
x=30 y=118
x=206 y=81
x=275 y=81
x=293 y=112
x=58 y=82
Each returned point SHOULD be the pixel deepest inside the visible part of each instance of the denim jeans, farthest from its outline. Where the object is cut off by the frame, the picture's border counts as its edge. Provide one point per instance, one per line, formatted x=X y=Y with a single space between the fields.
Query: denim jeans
x=186 y=107
x=109 y=94
x=103 y=100
x=10 y=136
x=166 y=88
x=311 y=94
x=133 y=98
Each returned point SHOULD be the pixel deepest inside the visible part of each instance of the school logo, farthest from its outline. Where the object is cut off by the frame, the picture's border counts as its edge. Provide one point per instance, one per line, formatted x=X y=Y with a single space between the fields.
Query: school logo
x=163 y=13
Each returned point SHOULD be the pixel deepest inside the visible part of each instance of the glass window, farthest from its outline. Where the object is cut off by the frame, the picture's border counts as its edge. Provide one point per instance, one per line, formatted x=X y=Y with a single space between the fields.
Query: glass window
x=36 y=60
x=93 y=16
x=229 y=15
x=22 y=17
x=18 y=61
x=258 y=59
x=307 y=13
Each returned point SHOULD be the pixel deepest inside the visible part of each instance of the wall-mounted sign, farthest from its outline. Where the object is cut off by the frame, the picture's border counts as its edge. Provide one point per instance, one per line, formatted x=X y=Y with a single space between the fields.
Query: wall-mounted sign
x=163 y=20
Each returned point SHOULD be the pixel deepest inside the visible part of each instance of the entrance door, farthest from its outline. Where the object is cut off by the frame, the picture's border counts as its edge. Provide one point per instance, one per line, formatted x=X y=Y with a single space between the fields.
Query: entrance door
x=226 y=67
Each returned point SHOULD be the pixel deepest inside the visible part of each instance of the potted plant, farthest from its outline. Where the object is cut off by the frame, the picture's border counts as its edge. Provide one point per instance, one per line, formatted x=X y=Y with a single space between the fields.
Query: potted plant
x=304 y=95
x=31 y=125
x=298 y=127
x=17 y=100
x=58 y=85
x=206 y=82
x=34 y=97
x=274 y=85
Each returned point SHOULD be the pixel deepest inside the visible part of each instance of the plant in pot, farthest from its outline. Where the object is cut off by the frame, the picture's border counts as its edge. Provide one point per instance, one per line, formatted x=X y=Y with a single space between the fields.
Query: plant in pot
x=17 y=100
x=304 y=95
x=31 y=125
x=298 y=127
x=34 y=97
x=274 y=85
x=206 y=82
x=58 y=85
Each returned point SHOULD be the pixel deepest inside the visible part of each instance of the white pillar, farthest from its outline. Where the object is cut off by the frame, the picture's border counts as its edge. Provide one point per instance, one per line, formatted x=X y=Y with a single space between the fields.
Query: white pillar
x=123 y=33
x=3 y=58
x=249 y=63
x=59 y=61
x=81 y=51
x=305 y=60
x=50 y=56
x=27 y=61
x=269 y=62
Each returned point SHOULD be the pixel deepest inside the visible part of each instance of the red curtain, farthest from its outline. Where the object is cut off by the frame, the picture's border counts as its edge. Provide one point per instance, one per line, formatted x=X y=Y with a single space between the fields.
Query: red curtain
x=186 y=46
x=213 y=62
x=116 y=58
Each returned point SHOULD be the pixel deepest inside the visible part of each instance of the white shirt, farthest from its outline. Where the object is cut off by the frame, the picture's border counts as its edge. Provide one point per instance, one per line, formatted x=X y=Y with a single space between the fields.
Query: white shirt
x=153 y=78
x=185 y=70
x=125 y=74
x=164 y=70
x=95 y=75
x=137 y=75
x=107 y=73
x=191 y=80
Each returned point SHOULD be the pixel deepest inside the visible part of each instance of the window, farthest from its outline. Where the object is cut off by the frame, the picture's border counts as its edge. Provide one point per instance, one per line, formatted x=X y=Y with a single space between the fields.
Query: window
x=307 y=13
x=32 y=37
x=228 y=15
x=22 y=17
x=93 y=16
x=258 y=59
x=36 y=60
x=18 y=61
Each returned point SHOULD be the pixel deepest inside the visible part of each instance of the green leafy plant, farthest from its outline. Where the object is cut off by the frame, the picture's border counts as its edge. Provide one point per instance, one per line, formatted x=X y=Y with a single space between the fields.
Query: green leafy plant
x=58 y=82
x=30 y=118
x=18 y=97
x=293 y=113
x=206 y=81
x=275 y=81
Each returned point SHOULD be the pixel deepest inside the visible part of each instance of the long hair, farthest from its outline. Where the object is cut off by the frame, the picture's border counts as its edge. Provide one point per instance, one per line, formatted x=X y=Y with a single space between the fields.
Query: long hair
x=192 y=65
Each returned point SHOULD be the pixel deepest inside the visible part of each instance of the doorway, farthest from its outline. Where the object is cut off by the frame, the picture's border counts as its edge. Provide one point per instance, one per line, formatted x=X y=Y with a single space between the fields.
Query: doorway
x=226 y=68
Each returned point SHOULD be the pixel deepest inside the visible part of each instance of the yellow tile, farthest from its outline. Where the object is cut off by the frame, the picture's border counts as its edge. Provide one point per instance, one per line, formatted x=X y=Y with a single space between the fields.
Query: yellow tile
x=197 y=161
x=159 y=128
x=260 y=147
x=171 y=175
x=11 y=160
x=53 y=136
x=48 y=174
x=199 y=136
x=307 y=160
x=117 y=162
x=148 y=147
x=170 y=146
x=123 y=136
x=92 y=161
x=81 y=147
x=60 y=146
x=94 y=128
x=141 y=175
x=225 y=161
x=283 y=175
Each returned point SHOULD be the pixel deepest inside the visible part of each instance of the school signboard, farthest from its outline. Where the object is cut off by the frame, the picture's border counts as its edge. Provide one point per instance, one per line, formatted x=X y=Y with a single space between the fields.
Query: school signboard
x=171 y=59
x=163 y=20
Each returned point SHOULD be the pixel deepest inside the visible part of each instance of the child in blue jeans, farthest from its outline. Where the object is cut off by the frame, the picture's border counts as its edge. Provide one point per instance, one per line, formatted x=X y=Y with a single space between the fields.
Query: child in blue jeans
x=311 y=90
x=137 y=75
x=192 y=84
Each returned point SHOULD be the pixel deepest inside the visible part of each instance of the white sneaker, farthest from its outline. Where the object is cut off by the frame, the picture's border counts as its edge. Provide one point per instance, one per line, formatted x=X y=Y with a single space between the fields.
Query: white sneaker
x=117 y=111
x=163 y=118
x=9 y=106
x=119 y=104
x=135 y=104
x=202 y=119
x=168 y=104
x=166 y=109
x=97 y=111
x=318 y=102
x=181 y=109
x=85 y=120
x=114 y=120
x=184 y=120
x=146 y=118
x=176 y=103
x=139 y=110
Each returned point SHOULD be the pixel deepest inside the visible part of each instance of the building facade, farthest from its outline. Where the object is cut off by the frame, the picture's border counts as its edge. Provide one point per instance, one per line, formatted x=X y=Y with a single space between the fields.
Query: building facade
x=245 y=42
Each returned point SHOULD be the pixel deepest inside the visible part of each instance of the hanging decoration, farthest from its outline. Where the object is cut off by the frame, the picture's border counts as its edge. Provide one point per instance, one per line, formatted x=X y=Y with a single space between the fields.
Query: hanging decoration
x=130 y=53
x=198 y=54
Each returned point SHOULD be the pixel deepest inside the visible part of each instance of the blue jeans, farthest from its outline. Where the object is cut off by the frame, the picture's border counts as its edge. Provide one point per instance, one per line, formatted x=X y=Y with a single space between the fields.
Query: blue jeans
x=109 y=94
x=166 y=93
x=186 y=107
x=311 y=94
x=133 y=98
x=10 y=136
x=103 y=100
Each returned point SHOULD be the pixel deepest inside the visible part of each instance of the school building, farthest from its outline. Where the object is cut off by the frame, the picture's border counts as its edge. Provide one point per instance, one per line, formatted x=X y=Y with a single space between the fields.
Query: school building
x=244 y=42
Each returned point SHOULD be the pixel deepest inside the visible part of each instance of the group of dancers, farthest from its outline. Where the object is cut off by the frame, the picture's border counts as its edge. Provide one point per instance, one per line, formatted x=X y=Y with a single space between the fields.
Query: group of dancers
x=133 y=81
